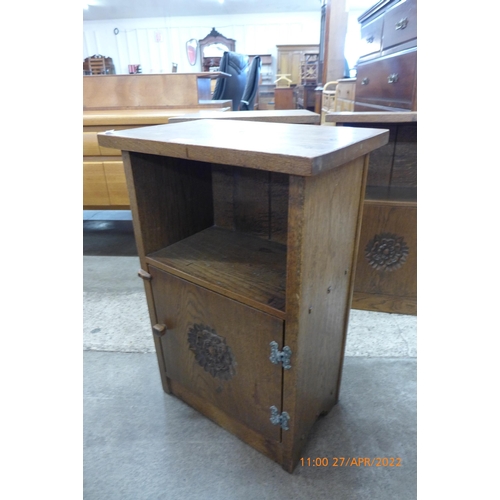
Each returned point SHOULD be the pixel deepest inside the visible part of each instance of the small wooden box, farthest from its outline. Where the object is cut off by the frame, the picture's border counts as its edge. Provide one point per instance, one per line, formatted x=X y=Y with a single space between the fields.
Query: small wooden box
x=247 y=235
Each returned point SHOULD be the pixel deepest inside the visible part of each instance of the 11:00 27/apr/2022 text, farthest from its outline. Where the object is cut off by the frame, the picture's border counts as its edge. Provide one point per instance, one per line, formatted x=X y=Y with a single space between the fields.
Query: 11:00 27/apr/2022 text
x=351 y=462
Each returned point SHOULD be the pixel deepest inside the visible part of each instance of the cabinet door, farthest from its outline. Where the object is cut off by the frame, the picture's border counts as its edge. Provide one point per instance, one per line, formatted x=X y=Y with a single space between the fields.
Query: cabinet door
x=95 y=189
x=387 y=257
x=219 y=350
x=116 y=182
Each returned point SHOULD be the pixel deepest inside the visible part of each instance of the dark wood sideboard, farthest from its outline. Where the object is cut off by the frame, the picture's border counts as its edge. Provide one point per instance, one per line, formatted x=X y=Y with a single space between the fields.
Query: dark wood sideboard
x=387 y=68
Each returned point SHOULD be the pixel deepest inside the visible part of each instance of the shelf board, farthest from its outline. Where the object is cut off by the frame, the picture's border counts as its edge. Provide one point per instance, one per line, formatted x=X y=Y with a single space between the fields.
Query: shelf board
x=245 y=268
x=391 y=195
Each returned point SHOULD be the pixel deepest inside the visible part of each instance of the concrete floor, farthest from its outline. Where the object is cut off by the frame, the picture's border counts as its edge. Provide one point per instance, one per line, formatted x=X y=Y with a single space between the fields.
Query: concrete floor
x=140 y=443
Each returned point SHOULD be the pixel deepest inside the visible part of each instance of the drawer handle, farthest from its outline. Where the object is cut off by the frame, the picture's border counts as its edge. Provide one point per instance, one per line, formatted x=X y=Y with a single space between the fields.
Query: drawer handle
x=402 y=24
x=370 y=39
x=365 y=81
x=159 y=330
x=393 y=78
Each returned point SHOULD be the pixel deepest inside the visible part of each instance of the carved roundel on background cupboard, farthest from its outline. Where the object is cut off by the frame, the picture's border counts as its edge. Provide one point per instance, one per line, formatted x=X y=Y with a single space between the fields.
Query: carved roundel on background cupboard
x=211 y=351
x=386 y=252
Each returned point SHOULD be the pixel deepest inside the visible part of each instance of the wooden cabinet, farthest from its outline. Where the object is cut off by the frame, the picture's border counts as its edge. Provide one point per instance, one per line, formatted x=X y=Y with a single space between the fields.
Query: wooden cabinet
x=345 y=93
x=386 y=270
x=387 y=68
x=127 y=101
x=305 y=97
x=284 y=98
x=290 y=59
x=247 y=236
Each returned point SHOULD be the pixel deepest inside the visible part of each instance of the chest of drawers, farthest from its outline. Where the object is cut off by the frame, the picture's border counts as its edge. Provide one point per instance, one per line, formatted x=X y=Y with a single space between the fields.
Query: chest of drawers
x=387 y=67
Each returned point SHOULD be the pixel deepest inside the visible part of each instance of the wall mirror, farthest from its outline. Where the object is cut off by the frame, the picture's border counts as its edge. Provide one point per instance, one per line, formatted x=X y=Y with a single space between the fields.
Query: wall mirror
x=192 y=51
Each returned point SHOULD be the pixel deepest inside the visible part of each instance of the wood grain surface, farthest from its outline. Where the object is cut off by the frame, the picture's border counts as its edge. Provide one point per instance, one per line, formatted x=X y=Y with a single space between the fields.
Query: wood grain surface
x=380 y=218
x=242 y=333
x=276 y=147
x=324 y=220
x=151 y=91
x=278 y=116
x=234 y=264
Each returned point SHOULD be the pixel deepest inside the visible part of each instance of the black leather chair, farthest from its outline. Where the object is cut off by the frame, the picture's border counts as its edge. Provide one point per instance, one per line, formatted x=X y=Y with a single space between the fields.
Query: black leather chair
x=252 y=86
x=232 y=87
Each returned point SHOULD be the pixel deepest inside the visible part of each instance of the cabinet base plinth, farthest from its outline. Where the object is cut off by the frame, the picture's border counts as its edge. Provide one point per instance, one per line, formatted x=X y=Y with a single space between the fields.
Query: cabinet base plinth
x=384 y=303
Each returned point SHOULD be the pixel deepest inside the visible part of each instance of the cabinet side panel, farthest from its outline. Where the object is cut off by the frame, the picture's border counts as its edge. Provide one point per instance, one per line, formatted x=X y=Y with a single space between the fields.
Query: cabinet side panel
x=173 y=199
x=319 y=292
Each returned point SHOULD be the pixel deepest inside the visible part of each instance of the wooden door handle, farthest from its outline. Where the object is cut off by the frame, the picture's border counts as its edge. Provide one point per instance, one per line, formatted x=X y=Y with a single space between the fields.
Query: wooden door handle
x=159 y=330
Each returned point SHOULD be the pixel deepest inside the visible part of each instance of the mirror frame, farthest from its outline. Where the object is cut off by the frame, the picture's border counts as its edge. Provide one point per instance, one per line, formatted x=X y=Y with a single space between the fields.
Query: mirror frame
x=214 y=37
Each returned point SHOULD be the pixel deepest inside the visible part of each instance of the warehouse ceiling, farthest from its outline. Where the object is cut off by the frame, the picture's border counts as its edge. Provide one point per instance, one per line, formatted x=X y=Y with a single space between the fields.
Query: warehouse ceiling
x=123 y=9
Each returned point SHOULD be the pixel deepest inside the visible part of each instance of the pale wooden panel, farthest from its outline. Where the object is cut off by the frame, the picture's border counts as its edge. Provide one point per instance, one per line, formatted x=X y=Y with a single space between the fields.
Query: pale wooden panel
x=95 y=191
x=142 y=91
x=110 y=152
x=116 y=181
x=119 y=119
x=90 y=144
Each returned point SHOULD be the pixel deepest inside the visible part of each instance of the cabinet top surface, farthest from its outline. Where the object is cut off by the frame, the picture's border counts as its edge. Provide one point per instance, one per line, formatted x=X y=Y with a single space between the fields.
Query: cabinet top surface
x=279 y=147
x=279 y=116
x=203 y=74
x=371 y=117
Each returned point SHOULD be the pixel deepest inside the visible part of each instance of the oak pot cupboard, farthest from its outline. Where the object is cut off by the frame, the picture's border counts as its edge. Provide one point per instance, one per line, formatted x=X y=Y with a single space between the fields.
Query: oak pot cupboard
x=247 y=235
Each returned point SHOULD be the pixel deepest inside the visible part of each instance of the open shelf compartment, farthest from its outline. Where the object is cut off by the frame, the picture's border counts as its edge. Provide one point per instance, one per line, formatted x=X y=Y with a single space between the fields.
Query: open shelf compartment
x=231 y=227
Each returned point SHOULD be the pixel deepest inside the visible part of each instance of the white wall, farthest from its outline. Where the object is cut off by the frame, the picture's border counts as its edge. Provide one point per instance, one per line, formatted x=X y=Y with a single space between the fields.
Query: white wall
x=156 y=43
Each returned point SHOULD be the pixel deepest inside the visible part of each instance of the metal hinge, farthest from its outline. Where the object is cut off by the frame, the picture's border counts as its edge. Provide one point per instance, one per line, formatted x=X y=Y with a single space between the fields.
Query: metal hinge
x=280 y=356
x=279 y=419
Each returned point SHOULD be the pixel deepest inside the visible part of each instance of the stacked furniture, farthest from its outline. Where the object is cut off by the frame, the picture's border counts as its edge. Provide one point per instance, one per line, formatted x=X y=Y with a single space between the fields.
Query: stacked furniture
x=98 y=65
x=337 y=96
x=386 y=269
x=128 y=101
x=387 y=68
x=385 y=97
x=248 y=284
